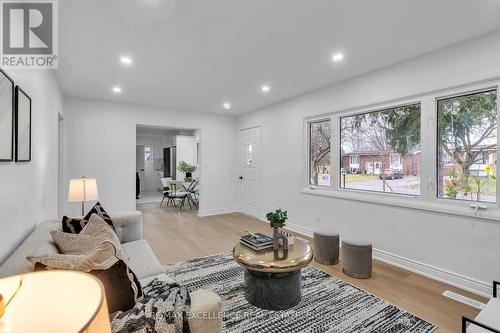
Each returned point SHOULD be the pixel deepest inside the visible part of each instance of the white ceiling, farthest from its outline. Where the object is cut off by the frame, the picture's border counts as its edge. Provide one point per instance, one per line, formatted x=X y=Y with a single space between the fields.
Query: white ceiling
x=195 y=54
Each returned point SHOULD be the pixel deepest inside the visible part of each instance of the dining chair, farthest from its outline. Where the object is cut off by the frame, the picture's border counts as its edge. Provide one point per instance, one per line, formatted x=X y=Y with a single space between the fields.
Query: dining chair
x=166 y=189
x=194 y=193
x=176 y=193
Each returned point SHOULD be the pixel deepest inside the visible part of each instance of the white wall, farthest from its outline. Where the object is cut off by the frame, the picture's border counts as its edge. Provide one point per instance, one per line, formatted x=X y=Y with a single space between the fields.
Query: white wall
x=185 y=152
x=460 y=250
x=29 y=191
x=101 y=140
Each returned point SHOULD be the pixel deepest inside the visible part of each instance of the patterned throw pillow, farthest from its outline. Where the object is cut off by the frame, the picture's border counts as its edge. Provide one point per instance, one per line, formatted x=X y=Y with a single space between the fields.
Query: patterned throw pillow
x=99 y=210
x=74 y=225
x=95 y=232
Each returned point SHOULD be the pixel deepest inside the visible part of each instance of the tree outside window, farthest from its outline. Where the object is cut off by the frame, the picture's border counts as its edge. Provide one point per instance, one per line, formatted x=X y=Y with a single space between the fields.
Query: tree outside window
x=319 y=151
x=388 y=145
x=467 y=140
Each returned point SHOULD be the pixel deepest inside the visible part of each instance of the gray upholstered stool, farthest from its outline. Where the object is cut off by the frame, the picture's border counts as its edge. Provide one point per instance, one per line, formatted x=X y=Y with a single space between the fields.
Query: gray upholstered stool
x=326 y=247
x=357 y=258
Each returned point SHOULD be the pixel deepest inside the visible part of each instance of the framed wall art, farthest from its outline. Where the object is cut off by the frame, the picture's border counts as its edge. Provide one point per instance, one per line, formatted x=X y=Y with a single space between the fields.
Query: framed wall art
x=6 y=118
x=23 y=126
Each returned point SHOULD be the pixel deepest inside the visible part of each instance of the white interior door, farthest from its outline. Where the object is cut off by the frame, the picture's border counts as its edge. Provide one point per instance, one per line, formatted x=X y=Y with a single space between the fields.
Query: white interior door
x=249 y=171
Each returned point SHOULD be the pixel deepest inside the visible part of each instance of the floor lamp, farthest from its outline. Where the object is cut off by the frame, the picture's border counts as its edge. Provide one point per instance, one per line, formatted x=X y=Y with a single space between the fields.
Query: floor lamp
x=82 y=190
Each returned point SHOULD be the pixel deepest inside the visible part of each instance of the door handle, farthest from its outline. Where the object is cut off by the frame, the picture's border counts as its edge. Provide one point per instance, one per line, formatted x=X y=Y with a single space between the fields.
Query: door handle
x=240 y=177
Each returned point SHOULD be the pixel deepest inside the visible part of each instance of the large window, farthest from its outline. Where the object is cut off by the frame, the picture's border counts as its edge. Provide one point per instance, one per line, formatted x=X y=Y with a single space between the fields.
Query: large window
x=436 y=151
x=467 y=142
x=380 y=151
x=319 y=152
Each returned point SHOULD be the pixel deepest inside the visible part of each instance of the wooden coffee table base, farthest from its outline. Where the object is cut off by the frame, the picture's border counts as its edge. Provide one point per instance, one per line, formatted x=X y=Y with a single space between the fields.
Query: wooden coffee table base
x=273 y=291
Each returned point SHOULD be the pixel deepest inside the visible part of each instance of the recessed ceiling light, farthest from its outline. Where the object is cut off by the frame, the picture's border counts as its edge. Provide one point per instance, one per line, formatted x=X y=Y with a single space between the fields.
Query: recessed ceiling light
x=226 y=105
x=117 y=89
x=265 y=88
x=126 y=60
x=337 y=57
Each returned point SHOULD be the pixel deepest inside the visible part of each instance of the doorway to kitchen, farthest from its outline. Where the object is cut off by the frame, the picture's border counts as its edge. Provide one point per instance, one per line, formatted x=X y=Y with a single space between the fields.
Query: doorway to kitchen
x=168 y=163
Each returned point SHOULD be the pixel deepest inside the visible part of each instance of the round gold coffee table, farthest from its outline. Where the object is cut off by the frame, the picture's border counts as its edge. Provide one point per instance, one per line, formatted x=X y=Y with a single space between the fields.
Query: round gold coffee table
x=272 y=278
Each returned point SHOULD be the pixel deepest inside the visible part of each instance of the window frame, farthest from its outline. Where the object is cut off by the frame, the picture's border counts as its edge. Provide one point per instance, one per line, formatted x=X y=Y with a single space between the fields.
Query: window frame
x=479 y=90
x=382 y=107
x=308 y=124
x=428 y=199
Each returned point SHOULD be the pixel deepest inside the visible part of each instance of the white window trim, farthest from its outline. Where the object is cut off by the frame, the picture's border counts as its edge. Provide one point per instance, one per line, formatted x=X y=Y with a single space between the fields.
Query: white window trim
x=427 y=200
x=308 y=150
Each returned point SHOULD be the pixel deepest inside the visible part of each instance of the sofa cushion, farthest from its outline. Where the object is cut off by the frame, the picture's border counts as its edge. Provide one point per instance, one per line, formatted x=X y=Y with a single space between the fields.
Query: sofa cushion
x=37 y=243
x=128 y=226
x=141 y=259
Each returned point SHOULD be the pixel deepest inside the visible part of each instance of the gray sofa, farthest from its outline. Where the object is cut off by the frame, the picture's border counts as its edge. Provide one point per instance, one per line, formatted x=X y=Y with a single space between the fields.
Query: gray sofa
x=205 y=305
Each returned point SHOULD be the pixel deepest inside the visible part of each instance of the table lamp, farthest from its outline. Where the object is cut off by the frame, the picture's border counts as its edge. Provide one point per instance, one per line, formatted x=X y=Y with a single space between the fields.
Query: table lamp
x=82 y=190
x=53 y=301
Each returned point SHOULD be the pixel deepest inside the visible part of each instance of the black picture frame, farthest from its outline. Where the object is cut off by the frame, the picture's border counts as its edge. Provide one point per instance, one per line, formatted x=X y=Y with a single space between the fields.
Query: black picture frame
x=23 y=128
x=10 y=157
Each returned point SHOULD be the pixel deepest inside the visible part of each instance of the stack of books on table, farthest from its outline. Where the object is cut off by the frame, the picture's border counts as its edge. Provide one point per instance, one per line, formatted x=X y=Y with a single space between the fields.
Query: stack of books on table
x=257 y=242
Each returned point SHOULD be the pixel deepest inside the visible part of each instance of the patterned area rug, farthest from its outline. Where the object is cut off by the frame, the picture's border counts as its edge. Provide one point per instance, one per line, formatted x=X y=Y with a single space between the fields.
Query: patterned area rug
x=328 y=304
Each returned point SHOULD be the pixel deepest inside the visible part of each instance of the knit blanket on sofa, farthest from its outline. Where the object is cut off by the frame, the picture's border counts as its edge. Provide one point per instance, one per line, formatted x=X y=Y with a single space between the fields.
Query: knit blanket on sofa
x=163 y=309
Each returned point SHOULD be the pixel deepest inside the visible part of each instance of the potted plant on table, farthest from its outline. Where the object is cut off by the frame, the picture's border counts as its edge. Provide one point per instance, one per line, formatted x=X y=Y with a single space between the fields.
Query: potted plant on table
x=187 y=168
x=277 y=219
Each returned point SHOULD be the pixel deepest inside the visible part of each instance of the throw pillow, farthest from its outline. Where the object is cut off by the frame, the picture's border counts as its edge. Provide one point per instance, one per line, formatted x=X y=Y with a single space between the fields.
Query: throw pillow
x=99 y=210
x=57 y=261
x=92 y=235
x=121 y=286
x=73 y=225
x=103 y=257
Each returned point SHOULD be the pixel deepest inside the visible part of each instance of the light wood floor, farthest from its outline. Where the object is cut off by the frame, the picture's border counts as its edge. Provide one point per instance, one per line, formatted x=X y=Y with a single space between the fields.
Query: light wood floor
x=176 y=237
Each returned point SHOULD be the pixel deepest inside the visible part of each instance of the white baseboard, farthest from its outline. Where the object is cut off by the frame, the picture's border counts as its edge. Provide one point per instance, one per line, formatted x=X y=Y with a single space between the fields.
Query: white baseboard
x=463 y=282
x=218 y=211
x=300 y=229
x=453 y=279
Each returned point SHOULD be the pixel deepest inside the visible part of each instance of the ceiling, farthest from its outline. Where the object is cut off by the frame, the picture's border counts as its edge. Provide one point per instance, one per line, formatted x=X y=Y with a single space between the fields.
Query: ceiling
x=196 y=54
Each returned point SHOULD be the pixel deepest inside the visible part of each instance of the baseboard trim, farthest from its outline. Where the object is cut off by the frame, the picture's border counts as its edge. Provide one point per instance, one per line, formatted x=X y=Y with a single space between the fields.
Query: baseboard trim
x=218 y=211
x=463 y=282
x=474 y=286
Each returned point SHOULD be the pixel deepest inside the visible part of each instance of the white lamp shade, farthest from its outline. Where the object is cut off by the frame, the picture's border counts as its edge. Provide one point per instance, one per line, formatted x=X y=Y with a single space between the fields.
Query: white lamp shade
x=82 y=189
x=54 y=301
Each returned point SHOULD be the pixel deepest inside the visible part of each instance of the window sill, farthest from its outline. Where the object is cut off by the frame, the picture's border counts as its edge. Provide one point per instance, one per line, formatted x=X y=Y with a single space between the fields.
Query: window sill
x=409 y=202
